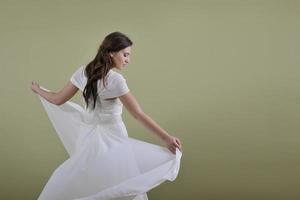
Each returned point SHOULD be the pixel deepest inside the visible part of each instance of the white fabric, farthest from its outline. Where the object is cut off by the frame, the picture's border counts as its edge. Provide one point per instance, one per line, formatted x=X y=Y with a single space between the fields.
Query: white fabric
x=116 y=84
x=104 y=163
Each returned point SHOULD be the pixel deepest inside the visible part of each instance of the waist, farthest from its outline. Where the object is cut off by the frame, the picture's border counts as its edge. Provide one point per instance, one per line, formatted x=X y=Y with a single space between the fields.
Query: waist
x=102 y=118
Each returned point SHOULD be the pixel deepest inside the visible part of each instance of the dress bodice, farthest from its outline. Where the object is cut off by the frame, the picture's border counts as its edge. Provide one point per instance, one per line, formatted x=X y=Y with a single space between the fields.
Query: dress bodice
x=105 y=112
x=108 y=107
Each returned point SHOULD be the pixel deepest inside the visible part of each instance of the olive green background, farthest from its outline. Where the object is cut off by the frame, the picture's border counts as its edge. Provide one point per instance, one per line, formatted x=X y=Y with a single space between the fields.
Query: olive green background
x=223 y=76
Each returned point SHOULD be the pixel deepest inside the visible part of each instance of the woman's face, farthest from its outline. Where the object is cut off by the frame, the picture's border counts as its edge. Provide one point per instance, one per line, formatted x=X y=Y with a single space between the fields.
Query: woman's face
x=121 y=58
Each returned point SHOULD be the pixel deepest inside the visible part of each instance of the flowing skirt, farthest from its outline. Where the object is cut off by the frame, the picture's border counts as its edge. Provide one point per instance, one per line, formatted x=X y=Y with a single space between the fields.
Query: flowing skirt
x=104 y=163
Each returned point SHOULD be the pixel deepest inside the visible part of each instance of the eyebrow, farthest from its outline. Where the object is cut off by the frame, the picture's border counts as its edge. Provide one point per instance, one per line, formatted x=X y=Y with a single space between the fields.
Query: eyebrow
x=127 y=53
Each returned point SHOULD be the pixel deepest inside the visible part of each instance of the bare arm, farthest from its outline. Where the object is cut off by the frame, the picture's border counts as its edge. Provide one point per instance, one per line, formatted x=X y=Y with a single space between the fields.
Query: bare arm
x=58 y=98
x=136 y=111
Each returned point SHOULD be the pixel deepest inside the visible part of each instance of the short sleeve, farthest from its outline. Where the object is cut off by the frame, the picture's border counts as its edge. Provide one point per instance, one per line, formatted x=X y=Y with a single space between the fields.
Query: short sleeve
x=77 y=77
x=118 y=87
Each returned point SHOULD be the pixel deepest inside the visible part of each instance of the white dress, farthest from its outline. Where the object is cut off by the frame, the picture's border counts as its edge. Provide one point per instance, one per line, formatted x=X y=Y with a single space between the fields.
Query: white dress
x=104 y=163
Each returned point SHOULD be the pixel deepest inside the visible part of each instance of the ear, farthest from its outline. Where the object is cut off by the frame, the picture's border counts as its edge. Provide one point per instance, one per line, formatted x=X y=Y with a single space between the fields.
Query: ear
x=111 y=55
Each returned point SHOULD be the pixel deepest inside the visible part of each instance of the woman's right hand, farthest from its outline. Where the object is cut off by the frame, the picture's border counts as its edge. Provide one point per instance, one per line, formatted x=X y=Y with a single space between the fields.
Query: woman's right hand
x=172 y=143
x=34 y=86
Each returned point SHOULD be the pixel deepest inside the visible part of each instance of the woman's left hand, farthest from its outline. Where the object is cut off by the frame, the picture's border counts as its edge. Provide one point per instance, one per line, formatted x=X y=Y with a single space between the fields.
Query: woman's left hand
x=34 y=86
x=172 y=143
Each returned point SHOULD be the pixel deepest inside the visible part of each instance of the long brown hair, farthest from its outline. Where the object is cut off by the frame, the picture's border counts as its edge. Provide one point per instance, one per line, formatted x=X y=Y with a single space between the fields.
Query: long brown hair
x=99 y=67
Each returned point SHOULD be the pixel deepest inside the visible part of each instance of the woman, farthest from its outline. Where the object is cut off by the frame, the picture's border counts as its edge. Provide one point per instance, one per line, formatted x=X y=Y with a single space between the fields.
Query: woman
x=104 y=162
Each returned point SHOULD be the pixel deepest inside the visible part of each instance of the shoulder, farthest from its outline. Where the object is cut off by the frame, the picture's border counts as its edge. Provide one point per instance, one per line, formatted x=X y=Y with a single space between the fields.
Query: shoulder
x=116 y=85
x=79 y=71
x=116 y=76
